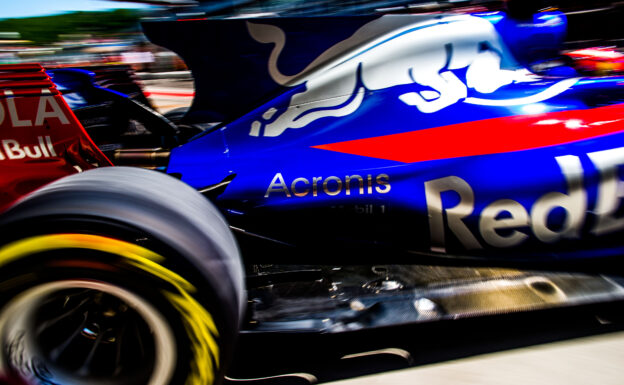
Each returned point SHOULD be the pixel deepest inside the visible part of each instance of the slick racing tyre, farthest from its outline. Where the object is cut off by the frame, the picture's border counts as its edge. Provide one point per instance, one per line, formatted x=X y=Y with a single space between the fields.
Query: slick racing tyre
x=117 y=276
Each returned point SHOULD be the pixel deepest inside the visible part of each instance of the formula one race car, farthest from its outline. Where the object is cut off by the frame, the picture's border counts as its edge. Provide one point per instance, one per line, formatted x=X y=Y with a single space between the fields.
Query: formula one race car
x=317 y=141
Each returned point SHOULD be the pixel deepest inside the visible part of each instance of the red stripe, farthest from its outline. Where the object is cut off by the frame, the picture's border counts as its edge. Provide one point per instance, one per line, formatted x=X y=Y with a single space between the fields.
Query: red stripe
x=490 y=136
x=167 y=93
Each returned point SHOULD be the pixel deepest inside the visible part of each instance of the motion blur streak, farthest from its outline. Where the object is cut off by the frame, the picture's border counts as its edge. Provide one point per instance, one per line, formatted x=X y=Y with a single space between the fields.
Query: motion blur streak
x=39 y=244
x=199 y=324
x=202 y=330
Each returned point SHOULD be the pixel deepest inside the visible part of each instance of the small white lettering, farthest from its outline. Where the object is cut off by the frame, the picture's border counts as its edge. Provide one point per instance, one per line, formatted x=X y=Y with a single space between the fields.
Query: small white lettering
x=11 y=149
x=277 y=185
x=300 y=193
x=48 y=107
x=611 y=190
x=43 y=113
x=329 y=186
x=15 y=120
x=574 y=203
x=454 y=215
x=489 y=223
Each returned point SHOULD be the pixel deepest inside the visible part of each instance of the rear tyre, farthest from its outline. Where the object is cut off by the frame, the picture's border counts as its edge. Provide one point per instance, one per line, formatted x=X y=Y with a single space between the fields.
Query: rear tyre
x=118 y=276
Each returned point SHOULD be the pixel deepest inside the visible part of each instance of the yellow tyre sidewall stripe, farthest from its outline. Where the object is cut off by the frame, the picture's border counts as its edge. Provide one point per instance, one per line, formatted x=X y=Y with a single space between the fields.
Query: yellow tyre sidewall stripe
x=198 y=322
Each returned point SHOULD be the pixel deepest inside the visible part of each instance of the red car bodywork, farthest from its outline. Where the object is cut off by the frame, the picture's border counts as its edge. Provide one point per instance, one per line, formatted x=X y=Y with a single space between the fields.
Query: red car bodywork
x=40 y=138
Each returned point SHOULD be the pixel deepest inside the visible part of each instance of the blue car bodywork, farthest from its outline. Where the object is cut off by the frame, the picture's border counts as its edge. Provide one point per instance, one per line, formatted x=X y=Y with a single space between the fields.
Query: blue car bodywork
x=414 y=135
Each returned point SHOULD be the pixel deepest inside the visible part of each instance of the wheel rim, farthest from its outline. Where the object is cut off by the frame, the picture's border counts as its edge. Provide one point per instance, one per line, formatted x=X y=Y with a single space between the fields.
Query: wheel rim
x=83 y=332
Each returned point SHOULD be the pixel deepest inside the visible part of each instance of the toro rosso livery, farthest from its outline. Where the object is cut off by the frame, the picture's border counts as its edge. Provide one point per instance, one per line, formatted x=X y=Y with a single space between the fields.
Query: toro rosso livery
x=316 y=140
x=429 y=125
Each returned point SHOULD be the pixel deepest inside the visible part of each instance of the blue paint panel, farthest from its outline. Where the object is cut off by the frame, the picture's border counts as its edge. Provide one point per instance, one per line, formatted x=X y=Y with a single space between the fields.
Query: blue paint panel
x=314 y=194
x=534 y=41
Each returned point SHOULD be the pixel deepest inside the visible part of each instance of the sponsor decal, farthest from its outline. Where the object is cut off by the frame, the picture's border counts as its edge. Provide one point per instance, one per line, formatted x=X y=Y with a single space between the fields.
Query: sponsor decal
x=519 y=222
x=329 y=186
x=11 y=149
x=47 y=108
x=429 y=55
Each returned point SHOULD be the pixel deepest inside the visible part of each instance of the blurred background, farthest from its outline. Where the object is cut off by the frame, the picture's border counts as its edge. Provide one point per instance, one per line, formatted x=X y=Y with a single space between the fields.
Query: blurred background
x=96 y=32
x=107 y=34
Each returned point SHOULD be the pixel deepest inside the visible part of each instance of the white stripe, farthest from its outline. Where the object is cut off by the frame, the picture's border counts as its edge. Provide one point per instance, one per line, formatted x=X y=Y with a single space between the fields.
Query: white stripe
x=50 y=146
x=46 y=154
x=548 y=93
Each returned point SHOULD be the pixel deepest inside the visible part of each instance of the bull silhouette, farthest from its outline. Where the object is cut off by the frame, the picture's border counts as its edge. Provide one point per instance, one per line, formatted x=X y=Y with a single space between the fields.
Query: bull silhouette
x=424 y=54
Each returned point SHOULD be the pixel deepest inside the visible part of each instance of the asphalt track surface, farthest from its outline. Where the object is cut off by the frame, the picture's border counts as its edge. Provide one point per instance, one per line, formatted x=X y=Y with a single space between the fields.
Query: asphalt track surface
x=581 y=345
x=590 y=360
